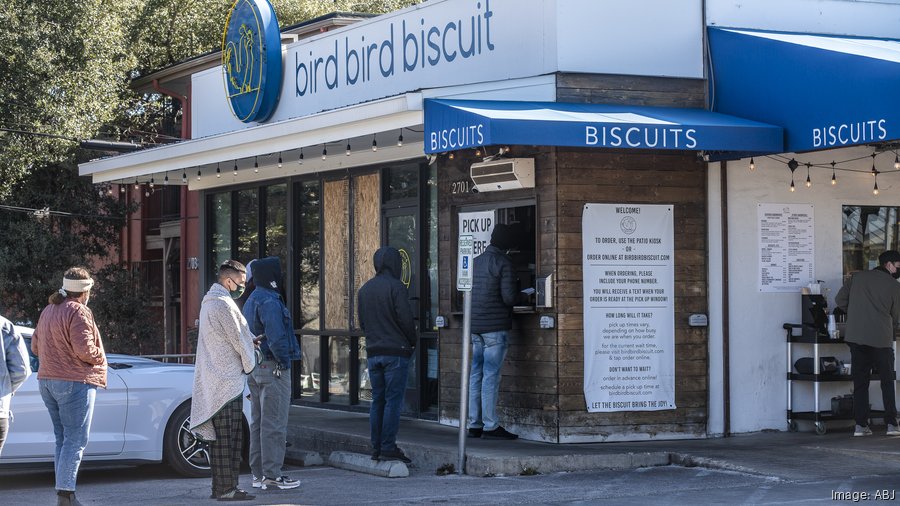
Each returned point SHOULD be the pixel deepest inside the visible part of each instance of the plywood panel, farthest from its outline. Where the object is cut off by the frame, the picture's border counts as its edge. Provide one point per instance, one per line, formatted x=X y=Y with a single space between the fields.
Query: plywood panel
x=366 y=228
x=336 y=252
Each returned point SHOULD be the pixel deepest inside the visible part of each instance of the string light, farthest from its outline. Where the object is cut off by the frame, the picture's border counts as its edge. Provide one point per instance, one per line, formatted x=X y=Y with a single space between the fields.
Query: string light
x=477 y=151
x=109 y=190
x=874 y=170
x=121 y=188
x=324 y=151
x=896 y=162
x=148 y=191
x=300 y=158
x=400 y=139
x=100 y=191
x=875 y=189
x=151 y=182
x=752 y=164
x=793 y=166
x=280 y=162
x=256 y=164
x=183 y=177
x=451 y=155
x=136 y=185
x=235 y=167
x=833 y=176
x=218 y=170
x=349 y=149
x=198 y=173
x=374 y=142
x=166 y=180
x=808 y=181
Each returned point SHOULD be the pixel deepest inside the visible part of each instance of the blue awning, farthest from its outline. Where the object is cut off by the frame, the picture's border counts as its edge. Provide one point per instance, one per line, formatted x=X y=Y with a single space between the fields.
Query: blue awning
x=826 y=92
x=460 y=124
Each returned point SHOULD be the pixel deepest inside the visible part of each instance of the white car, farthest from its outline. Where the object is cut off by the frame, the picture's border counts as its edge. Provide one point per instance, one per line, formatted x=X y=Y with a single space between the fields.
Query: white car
x=141 y=417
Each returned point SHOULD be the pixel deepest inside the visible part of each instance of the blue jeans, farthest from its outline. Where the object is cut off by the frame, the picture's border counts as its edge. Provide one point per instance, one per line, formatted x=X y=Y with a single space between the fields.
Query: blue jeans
x=270 y=403
x=388 y=376
x=71 y=406
x=488 y=352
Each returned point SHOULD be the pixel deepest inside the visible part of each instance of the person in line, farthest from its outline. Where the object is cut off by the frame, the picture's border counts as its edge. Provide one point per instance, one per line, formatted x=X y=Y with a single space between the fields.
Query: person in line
x=270 y=382
x=73 y=366
x=225 y=355
x=871 y=300
x=494 y=293
x=16 y=368
x=386 y=319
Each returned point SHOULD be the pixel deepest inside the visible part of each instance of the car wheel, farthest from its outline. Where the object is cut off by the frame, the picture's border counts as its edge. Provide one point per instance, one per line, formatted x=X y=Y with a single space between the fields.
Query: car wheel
x=184 y=453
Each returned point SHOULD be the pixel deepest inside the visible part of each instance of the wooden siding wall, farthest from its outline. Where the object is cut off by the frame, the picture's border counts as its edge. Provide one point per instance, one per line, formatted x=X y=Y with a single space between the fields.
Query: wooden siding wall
x=541 y=394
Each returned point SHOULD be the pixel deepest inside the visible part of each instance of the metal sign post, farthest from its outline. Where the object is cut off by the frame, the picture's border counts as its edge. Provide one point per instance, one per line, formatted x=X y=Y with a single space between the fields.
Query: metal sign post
x=464 y=284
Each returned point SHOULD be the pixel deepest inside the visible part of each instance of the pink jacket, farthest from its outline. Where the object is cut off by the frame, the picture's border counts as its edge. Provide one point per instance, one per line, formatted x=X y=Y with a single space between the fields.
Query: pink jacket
x=67 y=341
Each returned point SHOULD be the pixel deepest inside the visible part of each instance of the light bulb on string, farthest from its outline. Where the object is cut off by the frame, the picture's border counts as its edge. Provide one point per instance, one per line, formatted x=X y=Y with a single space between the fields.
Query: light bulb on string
x=280 y=162
x=875 y=189
x=256 y=164
x=400 y=139
x=136 y=185
x=374 y=142
x=349 y=149
x=183 y=177
x=793 y=166
x=300 y=158
x=833 y=176
x=100 y=191
x=324 y=151
x=109 y=190
x=896 y=162
x=121 y=188
x=166 y=180
x=235 y=167
x=874 y=170
x=218 y=170
x=793 y=188
x=808 y=181
x=477 y=151
x=151 y=182
x=198 y=173
x=752 y=164
x=451 y=155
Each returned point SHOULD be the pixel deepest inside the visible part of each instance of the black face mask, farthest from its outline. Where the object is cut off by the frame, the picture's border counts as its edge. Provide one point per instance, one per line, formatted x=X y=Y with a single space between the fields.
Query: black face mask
x=896 y=274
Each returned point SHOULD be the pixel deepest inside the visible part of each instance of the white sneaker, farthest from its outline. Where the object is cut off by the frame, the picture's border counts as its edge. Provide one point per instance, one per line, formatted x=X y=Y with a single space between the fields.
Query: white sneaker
x=862 y=431
x=282 y=483
x=257 y=482
x=893 y=430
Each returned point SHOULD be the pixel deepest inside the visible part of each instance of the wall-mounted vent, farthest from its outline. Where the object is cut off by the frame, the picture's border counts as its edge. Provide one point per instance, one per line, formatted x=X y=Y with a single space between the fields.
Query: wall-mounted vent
x=503 y=174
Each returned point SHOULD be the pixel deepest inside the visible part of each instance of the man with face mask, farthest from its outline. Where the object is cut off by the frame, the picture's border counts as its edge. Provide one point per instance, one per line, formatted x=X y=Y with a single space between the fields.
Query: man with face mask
x=871 y=300
x=225 y=355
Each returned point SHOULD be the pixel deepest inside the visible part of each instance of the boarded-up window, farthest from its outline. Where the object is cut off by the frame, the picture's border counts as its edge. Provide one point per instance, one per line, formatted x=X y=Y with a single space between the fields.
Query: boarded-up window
x=366 y=229
x=336 y=254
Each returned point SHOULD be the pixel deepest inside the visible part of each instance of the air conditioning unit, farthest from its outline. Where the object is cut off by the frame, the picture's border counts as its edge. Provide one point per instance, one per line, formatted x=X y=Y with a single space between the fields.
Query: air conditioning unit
x=503 y=174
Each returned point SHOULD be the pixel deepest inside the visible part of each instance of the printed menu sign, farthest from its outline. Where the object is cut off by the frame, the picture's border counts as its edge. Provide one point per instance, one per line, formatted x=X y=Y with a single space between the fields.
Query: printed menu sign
x=629 y=313
x=786 y=247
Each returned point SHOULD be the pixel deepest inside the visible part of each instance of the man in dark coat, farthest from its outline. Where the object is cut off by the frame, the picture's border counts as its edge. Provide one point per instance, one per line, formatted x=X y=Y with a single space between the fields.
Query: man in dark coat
x=494 y=290
x=386 y=319
x=871 y=300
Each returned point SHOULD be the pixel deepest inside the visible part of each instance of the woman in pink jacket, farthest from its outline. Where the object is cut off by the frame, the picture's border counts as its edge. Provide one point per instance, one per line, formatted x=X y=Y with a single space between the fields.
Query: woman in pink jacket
x=72 y=366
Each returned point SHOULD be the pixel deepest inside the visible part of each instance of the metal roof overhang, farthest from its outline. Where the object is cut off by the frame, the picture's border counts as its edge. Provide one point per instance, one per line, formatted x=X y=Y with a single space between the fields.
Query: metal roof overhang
x=285 y=138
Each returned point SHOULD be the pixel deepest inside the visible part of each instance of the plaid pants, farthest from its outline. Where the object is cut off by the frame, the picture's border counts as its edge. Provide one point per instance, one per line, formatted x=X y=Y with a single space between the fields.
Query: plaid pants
x=225 y=451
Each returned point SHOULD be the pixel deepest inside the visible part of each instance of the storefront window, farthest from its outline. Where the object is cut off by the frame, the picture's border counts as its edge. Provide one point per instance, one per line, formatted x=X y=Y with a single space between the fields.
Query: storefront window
x=247 y=225
x=308 y=258
x=219 y=212
x=310 y=369
x=339 y=369
x=402 y=182
x=276 y=223
x=867 y=231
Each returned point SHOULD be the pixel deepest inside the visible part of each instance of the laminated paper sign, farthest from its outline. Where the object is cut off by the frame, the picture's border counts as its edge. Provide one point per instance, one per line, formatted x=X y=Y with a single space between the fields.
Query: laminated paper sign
x=629 y=315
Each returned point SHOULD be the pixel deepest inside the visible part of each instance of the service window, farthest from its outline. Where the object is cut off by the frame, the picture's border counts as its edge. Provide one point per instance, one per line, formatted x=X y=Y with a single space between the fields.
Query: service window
x=867 y=231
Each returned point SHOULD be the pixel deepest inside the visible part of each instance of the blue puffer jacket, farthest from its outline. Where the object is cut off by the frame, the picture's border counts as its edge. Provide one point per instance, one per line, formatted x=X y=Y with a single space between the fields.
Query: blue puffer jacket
x=14 y=364
x=493 y=291
x=266 y=314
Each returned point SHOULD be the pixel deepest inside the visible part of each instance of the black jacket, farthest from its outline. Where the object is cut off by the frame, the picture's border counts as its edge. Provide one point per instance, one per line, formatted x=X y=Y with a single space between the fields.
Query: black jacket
x=493 y=291
x=385 y=315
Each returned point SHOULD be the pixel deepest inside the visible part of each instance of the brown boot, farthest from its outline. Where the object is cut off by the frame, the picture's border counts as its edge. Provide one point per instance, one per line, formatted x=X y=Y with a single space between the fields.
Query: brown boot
x=66 y=498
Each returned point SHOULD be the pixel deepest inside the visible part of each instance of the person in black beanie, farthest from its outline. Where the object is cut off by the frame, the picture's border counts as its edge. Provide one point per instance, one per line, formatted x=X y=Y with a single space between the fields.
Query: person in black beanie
x=871 y=300
x=494 y=290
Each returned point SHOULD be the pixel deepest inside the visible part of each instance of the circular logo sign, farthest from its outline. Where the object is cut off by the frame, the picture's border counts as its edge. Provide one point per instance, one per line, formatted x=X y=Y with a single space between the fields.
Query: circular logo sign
x=251 y=60
x=628 y=225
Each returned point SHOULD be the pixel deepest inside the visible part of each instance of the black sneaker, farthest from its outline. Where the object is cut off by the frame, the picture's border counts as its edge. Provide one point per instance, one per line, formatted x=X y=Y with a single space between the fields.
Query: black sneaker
x=396 y=455
x=498 y=433
x=236 y=494
x=475 y=432
x=376 y=454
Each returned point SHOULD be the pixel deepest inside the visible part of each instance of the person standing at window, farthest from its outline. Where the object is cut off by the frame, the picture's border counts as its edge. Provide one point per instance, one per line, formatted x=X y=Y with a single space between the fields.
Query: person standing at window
x=270 y=383
x=225 y=354
x=871 y=300
x=494 y=294
x=387 y=321
x=15 y=368
x=73 y=365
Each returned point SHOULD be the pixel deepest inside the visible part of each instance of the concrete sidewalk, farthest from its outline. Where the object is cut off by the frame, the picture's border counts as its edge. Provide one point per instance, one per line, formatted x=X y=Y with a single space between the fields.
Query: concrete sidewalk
x=778 y=455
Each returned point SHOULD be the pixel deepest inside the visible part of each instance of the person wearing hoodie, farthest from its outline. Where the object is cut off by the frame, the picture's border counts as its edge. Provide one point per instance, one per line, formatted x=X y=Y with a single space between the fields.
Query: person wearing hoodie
x=493 y=297
x=15 y=368
x=270 y=383
x=225 y=355
x=386 y=319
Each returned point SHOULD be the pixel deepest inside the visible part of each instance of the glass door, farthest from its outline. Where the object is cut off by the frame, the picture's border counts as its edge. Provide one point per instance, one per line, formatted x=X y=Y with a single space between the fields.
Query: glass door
x=401 y=231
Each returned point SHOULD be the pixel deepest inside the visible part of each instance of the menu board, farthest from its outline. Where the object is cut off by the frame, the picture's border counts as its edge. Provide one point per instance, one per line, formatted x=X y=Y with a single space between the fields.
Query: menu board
x=786 y=247
x=629 y=315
